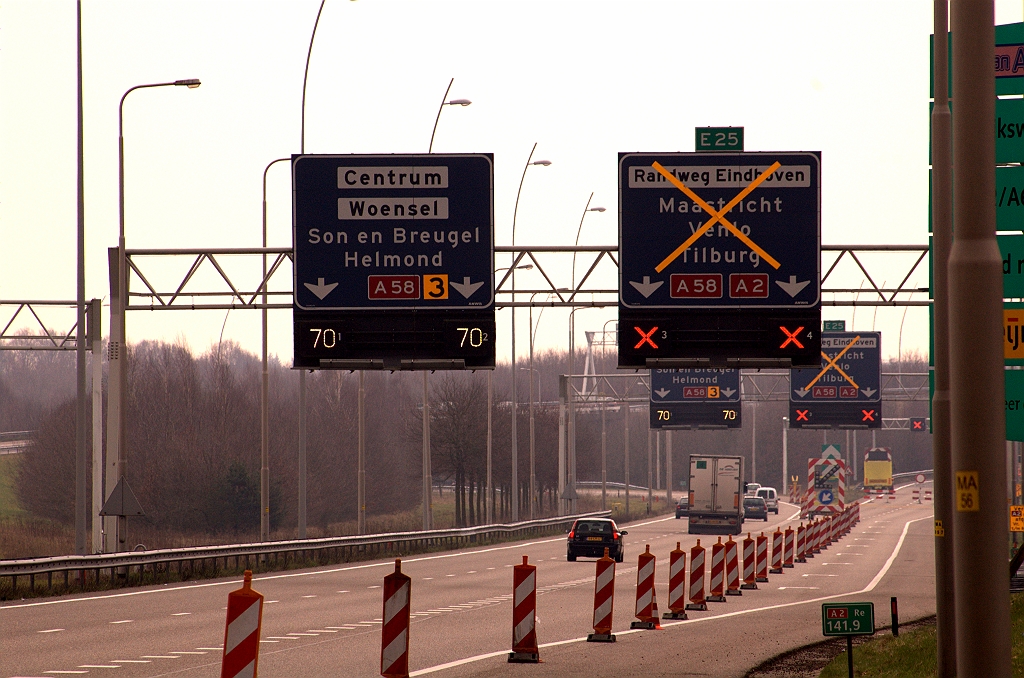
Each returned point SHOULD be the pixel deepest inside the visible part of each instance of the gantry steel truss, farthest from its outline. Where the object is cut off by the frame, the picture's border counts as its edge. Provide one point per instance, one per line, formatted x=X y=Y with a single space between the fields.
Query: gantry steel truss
x=22 y=327
x=210 y=278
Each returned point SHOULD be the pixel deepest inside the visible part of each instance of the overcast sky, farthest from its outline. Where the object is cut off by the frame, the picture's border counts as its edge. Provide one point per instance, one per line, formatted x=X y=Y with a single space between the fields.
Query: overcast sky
x=584 y=80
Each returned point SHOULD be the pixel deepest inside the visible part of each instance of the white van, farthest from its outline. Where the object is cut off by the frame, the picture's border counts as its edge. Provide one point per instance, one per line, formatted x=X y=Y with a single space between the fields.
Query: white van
x=771 y=498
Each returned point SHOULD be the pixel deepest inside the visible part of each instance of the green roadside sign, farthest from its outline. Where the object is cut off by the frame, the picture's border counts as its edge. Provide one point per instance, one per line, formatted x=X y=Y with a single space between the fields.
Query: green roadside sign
x=836 y=325
x=1009 y=130
x=847 y=619
x=717 y=139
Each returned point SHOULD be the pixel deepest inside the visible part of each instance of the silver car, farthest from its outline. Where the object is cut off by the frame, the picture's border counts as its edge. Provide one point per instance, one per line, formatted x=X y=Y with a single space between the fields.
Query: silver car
x=771 y=498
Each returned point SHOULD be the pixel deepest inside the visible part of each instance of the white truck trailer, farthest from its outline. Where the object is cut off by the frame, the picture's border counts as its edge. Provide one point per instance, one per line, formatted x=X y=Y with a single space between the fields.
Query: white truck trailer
x=716 y=494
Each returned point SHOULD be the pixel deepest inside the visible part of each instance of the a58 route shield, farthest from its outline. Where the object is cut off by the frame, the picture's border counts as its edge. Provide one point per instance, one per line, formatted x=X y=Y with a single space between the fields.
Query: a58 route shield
x=721 y=230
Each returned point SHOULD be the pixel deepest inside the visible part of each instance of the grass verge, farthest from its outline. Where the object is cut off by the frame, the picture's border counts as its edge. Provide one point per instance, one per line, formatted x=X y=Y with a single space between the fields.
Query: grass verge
x=8 y=499
x=913 y=654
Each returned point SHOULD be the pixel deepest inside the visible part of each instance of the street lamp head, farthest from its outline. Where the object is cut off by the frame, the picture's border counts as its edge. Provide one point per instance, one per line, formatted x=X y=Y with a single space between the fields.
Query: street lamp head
x=596 y=209
x=192 y=83
x=459 y=102
x=545 y=163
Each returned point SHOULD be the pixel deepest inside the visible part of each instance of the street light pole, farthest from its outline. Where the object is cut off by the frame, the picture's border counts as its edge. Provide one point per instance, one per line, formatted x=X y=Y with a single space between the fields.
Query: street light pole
x=265 y=385
x=453 y=102
x=571 y=489
x=117 y=354
x=514 y=495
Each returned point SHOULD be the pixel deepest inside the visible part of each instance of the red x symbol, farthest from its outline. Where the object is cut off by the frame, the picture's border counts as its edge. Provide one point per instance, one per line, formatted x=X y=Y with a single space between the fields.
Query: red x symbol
x=869 y=415
x=791 y=337
x=801 y=415
x=918 y=425
x=645 y=337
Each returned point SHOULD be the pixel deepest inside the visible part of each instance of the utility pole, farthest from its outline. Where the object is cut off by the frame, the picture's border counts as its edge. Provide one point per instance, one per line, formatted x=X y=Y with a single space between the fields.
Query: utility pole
x=977 y=417
x=942 y=237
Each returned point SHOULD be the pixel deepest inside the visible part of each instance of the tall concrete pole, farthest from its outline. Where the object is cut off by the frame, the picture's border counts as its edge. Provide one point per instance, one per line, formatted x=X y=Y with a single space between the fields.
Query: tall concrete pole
x=490 y=438
x=302 y=454
x=428 y=517
x=785 y=455
x=361 y=457
x=650 y=474
x=112 y=467
x=669 y=479
x=81 y=412
x=96 y=335
x=977 y=417
x=657 y=460
x=604 y=457
x=563 y=389
x=625 y=447
x=942 y=239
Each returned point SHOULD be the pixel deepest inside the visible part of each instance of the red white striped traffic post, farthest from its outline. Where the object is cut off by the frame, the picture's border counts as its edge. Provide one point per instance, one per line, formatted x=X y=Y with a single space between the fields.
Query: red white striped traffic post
x=242 y=631
x=761 y=562
x=801 y=543
x=716 y=590
x=815 y=541
x=697 y=567
x=604 y=601
x=646 y=618
x=732 y=568
x=749 y=559
x=394 y=637
x=676 y=584
x=524 y=614
x=777 y=542
x=927 y=497
x=788 y=545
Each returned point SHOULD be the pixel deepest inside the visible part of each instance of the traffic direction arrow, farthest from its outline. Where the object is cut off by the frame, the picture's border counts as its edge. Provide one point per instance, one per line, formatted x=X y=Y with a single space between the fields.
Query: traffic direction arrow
x=800 y=392
x=466 y=288
x=662 y=392
x=320 y=289
x=646 y=287
x=868 y=392
x=727 y=392
x=792 y=288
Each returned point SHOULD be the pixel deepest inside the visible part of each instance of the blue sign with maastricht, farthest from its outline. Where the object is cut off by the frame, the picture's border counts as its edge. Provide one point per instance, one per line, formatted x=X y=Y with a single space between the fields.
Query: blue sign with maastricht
x=719 y=230
x=375 y=232
x=695 y=386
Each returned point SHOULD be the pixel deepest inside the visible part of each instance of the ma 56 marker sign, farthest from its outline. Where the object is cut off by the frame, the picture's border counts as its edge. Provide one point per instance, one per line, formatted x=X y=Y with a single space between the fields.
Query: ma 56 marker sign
x=720 y=252
x=394 y=260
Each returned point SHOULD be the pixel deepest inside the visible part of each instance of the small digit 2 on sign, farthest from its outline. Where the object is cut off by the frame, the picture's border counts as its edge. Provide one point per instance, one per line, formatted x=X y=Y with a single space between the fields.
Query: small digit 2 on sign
x=967 y=495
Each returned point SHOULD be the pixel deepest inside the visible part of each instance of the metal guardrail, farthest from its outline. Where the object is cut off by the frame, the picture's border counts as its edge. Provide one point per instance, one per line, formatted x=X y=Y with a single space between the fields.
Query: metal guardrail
x=338 y=547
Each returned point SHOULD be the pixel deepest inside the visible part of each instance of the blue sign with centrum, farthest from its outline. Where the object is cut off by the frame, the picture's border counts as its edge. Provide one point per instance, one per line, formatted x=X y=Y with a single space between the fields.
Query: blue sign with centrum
x=719 y=230
x=376 y=232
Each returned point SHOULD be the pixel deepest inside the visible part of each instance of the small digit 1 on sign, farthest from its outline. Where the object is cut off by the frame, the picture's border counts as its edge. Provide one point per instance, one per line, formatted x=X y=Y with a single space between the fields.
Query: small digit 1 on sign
x=967 y=495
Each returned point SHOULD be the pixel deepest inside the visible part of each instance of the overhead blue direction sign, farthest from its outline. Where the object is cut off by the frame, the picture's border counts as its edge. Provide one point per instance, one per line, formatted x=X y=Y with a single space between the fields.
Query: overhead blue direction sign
x=719 y=230
x=375 y=232
x=846 y=389
x=695 y=398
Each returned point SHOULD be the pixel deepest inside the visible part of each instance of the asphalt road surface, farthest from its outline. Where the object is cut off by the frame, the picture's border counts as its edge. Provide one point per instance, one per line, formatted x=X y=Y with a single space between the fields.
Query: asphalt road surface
x=326 y=622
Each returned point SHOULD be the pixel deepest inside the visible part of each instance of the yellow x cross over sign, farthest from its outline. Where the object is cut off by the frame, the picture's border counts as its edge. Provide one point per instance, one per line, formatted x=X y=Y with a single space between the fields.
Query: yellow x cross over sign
x=833 y=366
x=716 y=216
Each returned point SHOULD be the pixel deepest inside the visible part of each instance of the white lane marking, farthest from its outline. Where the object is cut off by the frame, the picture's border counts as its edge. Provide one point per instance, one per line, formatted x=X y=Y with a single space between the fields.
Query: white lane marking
x=449 y=575
x=322 y=631
x=99 y=666
x=50 y=631
x=282 y=638
x=180 y=614
x=665 y=624
x=342 y=591
x=130 y=661
x=123 y=621
x=64 y=672
x=339 y=627
x=159 y=656
x=184 y=652
x=309 y=596
x=270 y=641
x=490 y=568
x=270 y=602
x=783 y=588
x=216 y=649
x=471 y=572
x=293 y=633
